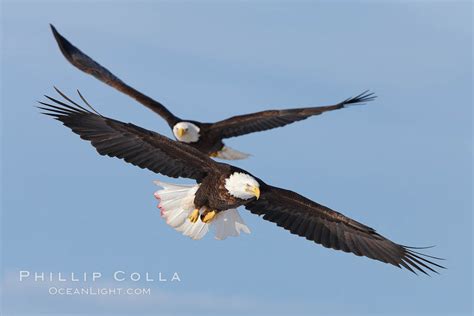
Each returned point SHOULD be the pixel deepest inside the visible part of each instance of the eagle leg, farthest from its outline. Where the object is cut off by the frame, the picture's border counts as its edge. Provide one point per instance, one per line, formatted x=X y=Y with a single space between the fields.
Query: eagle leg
x=194 y=216
x=208 y=216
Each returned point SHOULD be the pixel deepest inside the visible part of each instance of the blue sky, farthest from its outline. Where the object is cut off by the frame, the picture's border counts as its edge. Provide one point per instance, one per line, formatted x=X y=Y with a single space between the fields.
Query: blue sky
x=401 y=164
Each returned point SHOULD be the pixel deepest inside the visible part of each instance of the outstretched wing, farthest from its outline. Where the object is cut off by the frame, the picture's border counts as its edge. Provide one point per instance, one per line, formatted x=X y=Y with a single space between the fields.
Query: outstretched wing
x=83 y=62
x=135 y=145
x=331 y=229
x=261 y=121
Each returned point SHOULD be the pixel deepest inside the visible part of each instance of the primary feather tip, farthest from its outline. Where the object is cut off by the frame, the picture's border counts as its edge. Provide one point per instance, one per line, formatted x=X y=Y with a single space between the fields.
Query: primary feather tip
x=363 y=97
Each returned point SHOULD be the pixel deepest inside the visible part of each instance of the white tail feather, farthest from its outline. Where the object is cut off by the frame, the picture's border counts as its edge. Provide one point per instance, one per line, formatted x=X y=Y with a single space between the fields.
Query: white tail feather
x=177 y=203
x=229 y=223
x=231 y=154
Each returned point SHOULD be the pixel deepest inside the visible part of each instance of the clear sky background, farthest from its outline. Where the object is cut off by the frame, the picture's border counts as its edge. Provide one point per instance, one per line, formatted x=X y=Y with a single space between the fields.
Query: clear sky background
x=401 y=164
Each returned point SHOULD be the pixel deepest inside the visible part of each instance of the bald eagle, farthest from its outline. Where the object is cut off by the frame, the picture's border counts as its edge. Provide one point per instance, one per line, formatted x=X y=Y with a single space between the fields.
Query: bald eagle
x=206 y=137
x=222 y=188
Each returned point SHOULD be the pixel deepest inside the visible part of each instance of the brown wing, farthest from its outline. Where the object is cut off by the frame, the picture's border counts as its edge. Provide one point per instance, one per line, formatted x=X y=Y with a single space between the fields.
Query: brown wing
x=331 y=229
x=261 y=121
x=135 y=145
x=83 y=62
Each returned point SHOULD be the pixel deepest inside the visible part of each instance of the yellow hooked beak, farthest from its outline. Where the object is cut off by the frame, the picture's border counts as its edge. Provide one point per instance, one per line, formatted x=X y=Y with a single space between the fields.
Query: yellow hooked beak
x=256 y=192
x=181 y=132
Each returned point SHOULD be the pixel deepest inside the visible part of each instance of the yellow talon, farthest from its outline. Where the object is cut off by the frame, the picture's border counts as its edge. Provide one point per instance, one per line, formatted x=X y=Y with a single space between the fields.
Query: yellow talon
x=207 y=216
x=214 y=154
x=194 y=216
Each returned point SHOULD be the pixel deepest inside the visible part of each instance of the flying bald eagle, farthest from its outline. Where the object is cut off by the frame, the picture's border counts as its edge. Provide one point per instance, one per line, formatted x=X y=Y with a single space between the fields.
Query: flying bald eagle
x=207 y=137
x=222 y=188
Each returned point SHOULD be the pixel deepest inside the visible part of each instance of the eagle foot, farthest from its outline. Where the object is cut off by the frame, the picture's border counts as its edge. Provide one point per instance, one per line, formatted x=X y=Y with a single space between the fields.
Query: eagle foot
x=208 y=216
x=194 y=216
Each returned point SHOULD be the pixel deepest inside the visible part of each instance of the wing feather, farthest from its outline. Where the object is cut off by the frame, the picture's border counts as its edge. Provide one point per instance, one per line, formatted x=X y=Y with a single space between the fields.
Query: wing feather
x=83 y=62
x=332 y=229
x=265 y=120
x=135 y=145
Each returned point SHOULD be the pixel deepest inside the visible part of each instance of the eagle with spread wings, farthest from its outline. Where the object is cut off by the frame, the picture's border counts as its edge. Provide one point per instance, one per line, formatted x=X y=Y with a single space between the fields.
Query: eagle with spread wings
x=206 y=137
x=221 y=188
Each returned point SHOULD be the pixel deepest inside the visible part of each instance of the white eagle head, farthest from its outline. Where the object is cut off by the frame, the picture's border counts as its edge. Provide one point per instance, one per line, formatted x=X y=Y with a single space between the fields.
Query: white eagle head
x=242 y=186
x=186 y=132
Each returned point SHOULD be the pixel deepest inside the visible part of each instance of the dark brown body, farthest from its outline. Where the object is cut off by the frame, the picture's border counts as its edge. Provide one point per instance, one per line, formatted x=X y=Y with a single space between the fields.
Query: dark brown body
x=209 y=142
x=213 y=195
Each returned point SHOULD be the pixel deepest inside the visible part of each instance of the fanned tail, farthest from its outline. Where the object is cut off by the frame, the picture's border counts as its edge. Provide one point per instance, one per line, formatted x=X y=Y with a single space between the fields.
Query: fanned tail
x=177 y=203
x=228 y=153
